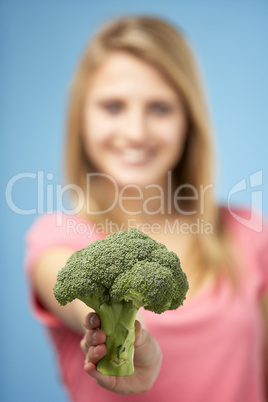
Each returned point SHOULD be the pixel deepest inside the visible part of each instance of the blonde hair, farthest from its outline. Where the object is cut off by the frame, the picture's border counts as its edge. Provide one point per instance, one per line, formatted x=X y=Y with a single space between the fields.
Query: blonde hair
x=163 y=46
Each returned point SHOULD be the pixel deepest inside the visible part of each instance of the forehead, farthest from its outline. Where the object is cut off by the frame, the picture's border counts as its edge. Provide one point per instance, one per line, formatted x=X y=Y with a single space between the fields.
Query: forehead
x=123 y=73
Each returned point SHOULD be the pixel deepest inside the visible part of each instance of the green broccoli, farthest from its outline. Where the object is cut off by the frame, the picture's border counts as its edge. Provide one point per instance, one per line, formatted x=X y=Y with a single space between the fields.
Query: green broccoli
x=116 y=277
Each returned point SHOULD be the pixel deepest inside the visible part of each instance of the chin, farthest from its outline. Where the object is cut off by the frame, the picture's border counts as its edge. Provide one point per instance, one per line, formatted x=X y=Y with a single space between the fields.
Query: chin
x=140 y=182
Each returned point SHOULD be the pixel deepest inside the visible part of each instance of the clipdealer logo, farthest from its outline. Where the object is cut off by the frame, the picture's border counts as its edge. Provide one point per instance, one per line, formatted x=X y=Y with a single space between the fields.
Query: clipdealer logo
x=254 y=186
x=49 y=196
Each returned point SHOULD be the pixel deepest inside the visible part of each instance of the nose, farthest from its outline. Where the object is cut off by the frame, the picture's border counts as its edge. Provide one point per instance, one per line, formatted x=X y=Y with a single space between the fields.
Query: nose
x=135 y=124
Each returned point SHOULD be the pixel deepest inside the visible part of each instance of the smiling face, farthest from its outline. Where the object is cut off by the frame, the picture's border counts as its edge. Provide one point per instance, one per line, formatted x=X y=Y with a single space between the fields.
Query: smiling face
x=134 y=122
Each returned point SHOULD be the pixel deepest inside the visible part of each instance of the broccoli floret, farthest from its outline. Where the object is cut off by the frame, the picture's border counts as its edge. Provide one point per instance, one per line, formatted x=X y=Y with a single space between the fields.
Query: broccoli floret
x=116 y=277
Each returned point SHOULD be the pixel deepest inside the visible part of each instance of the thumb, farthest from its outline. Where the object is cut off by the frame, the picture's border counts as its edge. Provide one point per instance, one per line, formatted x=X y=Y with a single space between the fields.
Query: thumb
x=138 y=332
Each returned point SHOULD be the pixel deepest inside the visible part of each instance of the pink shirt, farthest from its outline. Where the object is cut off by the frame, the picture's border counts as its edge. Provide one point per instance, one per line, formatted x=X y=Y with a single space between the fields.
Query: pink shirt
x=212 y=346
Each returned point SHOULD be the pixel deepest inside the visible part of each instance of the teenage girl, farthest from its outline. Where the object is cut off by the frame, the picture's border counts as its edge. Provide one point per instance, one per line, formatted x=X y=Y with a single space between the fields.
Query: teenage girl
x=140 y=154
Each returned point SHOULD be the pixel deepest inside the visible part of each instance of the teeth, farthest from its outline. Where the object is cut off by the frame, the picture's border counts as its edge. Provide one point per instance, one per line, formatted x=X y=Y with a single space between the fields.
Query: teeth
x=134 y=155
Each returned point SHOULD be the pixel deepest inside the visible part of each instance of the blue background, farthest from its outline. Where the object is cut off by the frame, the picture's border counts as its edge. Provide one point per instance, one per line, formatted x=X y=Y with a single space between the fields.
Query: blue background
x=40 y=43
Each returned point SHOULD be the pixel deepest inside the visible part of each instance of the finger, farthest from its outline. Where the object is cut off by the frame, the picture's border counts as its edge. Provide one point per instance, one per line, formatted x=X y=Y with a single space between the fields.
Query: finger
x=84 y=346
x=95 y=337
x=105 y=381
x=92 y=338
x=95 y=353
x=138 y=330
x=90 y=368
x=147 y=350
x=92 y=321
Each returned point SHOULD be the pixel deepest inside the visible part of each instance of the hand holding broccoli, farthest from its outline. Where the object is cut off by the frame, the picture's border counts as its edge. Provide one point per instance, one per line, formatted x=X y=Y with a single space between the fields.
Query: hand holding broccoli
x=147 y=359
x=116 y=277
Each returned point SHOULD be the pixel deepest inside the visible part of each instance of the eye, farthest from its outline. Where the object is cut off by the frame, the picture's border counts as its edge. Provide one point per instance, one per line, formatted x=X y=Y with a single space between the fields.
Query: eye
x=112 y=107
x=161 y=108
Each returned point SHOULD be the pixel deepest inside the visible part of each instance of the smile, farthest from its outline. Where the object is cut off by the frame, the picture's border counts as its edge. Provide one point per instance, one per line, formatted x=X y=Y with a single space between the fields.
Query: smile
x=135 y=156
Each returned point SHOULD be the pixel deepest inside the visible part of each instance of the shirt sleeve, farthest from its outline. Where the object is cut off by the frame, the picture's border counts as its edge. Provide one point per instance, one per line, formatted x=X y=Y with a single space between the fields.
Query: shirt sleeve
x=48 y=232
x=262 y=243
x=44 y=235
x=251 y=230
x=257 y=241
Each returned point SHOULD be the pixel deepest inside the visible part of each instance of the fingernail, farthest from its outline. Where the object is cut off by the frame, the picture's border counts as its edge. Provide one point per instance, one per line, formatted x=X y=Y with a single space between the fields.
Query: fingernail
x=91 y=320
x=95 y=350
x=94 y=335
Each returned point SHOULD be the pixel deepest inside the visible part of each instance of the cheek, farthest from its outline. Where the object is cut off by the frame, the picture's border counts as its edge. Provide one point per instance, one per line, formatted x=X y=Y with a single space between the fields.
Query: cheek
x=171 y=133
x=97 y=128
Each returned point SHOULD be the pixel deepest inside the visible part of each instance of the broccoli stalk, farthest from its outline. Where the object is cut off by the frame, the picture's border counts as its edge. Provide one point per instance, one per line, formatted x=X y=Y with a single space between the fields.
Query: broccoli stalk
x=118 y=322
x=116 y=277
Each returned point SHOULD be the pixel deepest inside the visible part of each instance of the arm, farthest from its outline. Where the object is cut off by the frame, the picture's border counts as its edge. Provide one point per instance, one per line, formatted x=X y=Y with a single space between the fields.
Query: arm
x=147 y=359
x=44 y=277
x=76 y=315
x=265 y=312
